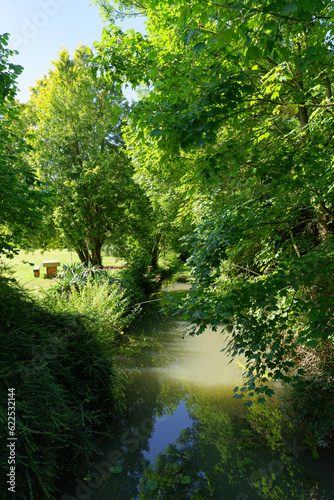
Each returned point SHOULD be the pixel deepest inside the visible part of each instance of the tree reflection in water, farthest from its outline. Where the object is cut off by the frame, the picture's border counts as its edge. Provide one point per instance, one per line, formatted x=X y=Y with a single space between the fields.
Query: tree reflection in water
x=186 y=440
x=219 y=449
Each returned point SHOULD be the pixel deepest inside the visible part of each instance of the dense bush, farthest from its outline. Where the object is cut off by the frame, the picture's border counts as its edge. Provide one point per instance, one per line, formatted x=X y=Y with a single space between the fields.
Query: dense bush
x=136 y=281
x=139 y=281
x=109 y=299
x=104 y=305
x=64 y=387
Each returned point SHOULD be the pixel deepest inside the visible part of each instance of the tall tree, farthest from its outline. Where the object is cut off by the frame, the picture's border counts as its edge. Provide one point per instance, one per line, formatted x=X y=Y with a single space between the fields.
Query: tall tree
x=76 y=115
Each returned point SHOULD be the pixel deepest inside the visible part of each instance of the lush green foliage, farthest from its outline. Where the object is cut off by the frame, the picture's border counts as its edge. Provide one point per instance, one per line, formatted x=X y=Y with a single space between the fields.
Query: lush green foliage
x=9 y=71
x=96 y=295
x=310 y=400
x=109 y=301
x=64 y=386
x=75 y=130
x=19 y=193
x=133 y=283
x=140 y=278
x=77 y=275
x=239 y=112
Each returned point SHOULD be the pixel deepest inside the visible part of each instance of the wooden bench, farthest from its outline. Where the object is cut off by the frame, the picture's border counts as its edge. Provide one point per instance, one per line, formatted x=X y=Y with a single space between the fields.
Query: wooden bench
x=51 y=267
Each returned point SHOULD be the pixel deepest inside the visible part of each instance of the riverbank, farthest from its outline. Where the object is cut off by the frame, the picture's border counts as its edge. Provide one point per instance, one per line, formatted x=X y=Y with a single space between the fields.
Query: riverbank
x=65 y=389
x=58 y=357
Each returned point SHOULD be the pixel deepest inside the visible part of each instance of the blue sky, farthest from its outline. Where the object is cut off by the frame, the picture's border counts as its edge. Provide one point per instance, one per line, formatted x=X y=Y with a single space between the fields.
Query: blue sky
x=39 y=28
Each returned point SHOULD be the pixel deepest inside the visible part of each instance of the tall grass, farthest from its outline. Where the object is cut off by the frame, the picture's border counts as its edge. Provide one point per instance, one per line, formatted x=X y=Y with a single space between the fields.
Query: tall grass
x=104 y=306
x=64 y=385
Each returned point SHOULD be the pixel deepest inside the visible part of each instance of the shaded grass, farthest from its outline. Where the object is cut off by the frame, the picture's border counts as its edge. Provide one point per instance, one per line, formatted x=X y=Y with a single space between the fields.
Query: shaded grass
x=23 y=265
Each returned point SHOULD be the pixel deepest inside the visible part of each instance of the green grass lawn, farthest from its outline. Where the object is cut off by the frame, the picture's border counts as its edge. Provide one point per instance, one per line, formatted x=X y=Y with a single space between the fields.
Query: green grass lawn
x=23 y=265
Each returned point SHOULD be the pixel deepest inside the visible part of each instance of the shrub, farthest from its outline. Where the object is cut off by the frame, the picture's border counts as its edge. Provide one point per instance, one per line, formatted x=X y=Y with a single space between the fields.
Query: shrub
x=136 y=281
x=77 y=275
x=139 y=278
x=310 y=401
x=104 y=305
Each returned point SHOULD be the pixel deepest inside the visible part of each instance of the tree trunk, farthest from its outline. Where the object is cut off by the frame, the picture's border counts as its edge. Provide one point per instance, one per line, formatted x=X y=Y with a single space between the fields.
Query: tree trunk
x=328 y=90
x=156 y=251
x=325 y=216
x=83 y=255
x=92 y=256
x=303 y=116
x=96 y=257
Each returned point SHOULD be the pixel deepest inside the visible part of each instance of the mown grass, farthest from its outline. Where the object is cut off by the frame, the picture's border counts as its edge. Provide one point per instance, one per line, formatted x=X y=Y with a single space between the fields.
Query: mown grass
x=23 y=265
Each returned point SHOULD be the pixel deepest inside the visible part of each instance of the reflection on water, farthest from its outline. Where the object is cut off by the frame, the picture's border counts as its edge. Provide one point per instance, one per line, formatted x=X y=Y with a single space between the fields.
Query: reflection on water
x=185 y=437
x=194 y=359
x=177 y=287
x=167 y=430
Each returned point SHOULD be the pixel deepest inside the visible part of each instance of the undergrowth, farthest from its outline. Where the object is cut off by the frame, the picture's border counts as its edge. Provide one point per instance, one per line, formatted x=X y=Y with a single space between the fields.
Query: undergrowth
x=65 y=390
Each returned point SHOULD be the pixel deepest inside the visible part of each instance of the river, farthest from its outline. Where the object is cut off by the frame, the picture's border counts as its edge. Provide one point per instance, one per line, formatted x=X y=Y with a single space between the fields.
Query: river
x=185 y=437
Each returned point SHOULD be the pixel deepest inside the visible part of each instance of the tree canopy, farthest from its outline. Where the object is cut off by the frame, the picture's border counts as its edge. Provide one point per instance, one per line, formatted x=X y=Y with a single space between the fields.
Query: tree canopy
x=239 y=107
x=78 y=149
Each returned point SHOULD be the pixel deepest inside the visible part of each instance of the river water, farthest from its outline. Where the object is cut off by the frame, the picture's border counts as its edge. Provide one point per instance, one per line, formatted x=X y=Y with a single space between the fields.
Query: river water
x=184 y=436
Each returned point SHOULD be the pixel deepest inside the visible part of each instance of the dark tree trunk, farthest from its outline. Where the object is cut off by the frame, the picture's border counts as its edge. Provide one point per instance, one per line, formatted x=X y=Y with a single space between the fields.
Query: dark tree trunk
x=83 y=255
x=96 y=257
x=325 y=217
x=156 y=251
x=92 y=256
x=303 y=116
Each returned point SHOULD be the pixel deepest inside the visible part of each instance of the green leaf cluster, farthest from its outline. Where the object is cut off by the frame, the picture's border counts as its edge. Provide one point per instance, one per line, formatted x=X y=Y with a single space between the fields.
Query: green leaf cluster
x=238 y=114
x=21 y=196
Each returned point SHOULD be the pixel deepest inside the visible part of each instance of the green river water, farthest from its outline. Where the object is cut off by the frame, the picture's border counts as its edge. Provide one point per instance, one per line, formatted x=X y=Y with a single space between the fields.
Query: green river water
x=185 y=437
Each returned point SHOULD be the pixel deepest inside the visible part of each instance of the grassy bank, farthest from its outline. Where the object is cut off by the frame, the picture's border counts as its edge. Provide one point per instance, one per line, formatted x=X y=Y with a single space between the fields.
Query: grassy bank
x=64 y=387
